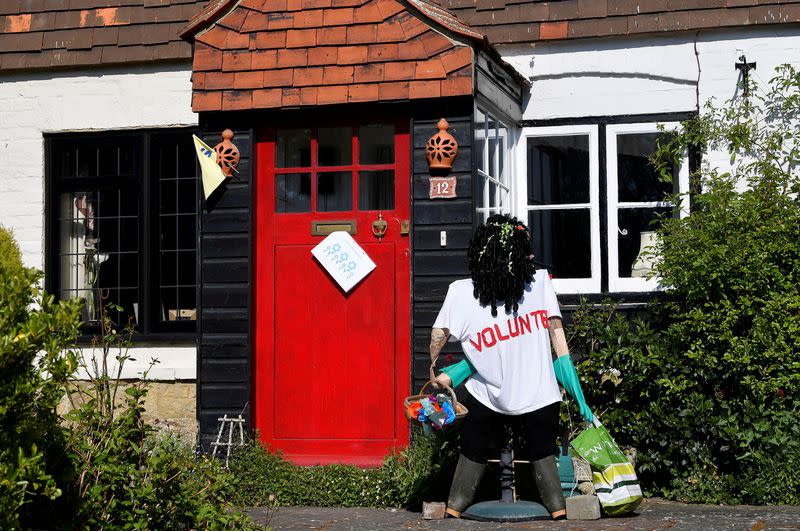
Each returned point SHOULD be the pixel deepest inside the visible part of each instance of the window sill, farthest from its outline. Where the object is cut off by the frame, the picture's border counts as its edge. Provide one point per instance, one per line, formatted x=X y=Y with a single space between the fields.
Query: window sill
x=628 y=300
x=169 y=338
x=174 y=362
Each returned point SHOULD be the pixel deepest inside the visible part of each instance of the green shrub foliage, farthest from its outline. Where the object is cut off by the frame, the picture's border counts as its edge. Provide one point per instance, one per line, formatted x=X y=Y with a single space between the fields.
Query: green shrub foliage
x=127 y=476
x=104 y=468
x=10 y=256
x=707 y=389
x=34 y=332
x=421 y=471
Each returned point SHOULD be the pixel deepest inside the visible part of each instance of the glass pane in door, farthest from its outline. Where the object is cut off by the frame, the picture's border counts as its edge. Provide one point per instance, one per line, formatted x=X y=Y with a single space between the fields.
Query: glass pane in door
x=293 y=192
x=376 y=144
x=334 y=191
x=335 y=146
x=376 y=190
x=293 y=148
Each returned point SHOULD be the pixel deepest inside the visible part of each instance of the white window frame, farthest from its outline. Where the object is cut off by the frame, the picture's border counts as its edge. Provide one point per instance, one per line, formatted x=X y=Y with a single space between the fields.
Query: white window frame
x=615 y=282
x=503 y=197
x=566 y=285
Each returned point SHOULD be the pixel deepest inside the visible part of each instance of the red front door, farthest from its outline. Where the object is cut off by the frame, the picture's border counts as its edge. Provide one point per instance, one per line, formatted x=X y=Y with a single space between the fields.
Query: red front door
x=332 y=367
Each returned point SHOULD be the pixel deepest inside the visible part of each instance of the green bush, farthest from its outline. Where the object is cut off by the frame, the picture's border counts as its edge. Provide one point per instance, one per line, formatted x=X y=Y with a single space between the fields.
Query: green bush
x=706 y=391
x=34 y=333
x=129 y=477
x=10 y=256
x=421 y=471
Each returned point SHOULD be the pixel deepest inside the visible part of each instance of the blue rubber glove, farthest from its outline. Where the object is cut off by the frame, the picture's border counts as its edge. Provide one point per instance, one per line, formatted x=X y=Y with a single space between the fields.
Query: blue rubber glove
x=567 y=376
x=458 y=372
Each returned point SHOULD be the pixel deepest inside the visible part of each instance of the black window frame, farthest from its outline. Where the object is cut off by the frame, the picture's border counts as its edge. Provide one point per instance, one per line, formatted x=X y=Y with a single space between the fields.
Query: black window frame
x=144 y=180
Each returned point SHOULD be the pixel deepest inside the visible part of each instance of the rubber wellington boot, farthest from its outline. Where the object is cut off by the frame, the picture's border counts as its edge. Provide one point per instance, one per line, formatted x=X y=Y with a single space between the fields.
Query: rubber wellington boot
x=548 y=482
x=465 y=482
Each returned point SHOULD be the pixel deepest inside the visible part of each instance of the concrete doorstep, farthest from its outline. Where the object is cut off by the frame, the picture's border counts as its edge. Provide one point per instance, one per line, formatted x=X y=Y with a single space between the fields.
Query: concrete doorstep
x=652 y=515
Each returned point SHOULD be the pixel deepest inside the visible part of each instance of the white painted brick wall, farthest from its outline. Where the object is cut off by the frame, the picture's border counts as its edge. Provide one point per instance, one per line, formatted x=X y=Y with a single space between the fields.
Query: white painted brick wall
x=646 y=74
x=100 y=99
x=649 y=74
x=33 y=104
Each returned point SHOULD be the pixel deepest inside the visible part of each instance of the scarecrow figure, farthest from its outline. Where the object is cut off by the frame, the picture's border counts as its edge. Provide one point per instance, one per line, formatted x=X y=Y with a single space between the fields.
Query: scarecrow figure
x=509 y=365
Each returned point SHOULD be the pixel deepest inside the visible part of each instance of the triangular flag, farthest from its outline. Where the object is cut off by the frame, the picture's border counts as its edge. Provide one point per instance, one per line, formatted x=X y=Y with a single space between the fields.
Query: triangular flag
x=212 y=173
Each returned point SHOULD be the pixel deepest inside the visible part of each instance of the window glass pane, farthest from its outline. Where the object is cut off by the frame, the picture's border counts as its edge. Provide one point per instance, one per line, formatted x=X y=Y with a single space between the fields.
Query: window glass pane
x=87 y=161
x=501 y=142
x=480 y=139
x=558 y=170
x=178 y=304
x=334 y=191
x=293 y=192
x=493 y=153
x=187 y=200
x=482 y=194
x=376 y=190
x=562 y=242
x=164 y=159
x=100 y=230
x=168 y=198
x=335 y=146
x=293 y=148
x=637 y=180
x=127 y=159
x=186 y=231
x=376 y=144
x=636 y=226
x=65 y=161
x=98 y=250
x=173 y=164
x=177 y=278
x=109 y=161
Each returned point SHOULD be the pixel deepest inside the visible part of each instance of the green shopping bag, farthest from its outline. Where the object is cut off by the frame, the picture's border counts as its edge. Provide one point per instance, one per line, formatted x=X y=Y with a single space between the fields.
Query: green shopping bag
x=612 y=475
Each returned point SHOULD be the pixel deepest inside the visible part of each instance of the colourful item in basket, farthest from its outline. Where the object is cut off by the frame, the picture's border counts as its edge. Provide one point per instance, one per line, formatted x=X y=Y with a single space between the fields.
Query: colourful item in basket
x=414 y=409
x=433 y=411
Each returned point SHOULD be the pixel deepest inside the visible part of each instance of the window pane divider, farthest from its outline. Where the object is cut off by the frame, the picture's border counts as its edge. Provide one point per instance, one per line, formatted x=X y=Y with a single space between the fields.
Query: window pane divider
x=565 y=206
x=646 y=204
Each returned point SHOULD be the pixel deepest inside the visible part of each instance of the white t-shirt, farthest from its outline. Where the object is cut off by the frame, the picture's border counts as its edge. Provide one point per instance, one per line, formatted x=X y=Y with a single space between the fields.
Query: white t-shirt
x=511 y=352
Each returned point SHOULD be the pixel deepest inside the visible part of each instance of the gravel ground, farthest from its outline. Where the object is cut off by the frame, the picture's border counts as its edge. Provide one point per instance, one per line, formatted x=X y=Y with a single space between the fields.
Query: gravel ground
x=652 y=515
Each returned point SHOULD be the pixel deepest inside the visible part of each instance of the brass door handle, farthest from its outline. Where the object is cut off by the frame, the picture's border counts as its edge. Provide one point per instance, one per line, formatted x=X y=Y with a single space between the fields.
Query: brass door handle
x=379 y=226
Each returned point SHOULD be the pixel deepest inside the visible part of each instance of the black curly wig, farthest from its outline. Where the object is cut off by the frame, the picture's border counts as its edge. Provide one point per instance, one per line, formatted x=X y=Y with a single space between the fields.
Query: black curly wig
x=501 y=262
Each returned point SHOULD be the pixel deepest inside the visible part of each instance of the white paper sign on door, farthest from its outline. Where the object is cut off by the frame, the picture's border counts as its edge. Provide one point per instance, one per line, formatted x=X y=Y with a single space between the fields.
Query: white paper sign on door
x=343 y=259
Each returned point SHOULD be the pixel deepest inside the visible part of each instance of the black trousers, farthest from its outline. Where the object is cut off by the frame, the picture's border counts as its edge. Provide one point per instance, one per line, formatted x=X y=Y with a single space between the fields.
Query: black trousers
x=483 y=430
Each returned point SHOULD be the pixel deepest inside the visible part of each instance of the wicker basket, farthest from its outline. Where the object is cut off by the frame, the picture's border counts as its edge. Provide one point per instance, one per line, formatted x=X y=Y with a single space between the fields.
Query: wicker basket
x=459 y=408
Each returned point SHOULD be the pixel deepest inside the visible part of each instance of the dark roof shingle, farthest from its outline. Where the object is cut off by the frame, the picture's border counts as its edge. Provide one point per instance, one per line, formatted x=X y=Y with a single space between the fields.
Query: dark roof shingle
x=69 y=33
x=528 y=21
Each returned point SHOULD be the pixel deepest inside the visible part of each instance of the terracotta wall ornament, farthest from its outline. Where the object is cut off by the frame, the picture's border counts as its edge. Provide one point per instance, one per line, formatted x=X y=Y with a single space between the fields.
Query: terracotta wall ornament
x=442 y=148
x=227 y=153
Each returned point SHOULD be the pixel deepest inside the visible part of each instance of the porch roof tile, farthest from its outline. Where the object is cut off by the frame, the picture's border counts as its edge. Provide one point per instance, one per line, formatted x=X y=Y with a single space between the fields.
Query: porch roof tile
x=317 y=52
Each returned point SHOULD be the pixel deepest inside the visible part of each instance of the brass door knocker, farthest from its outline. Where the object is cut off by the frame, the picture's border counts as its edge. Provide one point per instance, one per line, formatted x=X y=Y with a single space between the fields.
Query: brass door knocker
x=379 y=227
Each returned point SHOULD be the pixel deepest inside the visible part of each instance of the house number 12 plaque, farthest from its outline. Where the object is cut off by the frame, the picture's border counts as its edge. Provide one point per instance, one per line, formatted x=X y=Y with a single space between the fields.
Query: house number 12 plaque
x=442 y=188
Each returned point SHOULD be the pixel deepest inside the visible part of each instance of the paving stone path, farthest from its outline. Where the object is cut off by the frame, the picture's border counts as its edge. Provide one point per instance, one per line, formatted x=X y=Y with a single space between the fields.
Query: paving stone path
x=652 y=515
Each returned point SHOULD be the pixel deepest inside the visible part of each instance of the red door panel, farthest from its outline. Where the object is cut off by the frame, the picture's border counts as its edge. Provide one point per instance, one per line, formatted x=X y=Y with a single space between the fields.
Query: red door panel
x=342 y=349
x=332 y=367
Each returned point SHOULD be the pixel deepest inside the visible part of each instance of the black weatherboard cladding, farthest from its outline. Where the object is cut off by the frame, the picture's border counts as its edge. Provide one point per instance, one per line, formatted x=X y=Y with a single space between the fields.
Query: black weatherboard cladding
x=225 y=293
x=434 y=267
